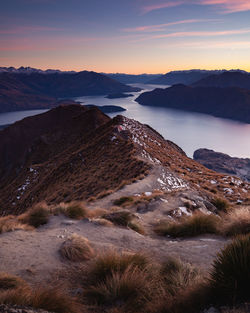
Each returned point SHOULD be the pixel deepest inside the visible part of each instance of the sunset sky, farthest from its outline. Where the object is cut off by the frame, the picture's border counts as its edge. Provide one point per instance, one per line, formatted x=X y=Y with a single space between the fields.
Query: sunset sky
x=132 y=36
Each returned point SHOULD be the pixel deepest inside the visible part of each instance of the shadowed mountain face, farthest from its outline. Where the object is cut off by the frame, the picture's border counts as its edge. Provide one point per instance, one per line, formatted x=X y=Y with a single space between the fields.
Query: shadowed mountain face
x=225 y=80
x=182 y=77
x=232 y=103
x=20 y=91
x=223 y=163
x=75 y=153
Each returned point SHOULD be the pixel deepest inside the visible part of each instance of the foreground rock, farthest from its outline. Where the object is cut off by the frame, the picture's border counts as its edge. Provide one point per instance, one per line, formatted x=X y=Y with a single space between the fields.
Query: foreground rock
x=223 y=163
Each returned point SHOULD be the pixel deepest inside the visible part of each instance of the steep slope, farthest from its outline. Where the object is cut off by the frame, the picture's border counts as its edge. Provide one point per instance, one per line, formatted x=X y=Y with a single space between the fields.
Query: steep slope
x=15 y=96
x=225 y=80
x=224 y=163
x=75 y=153
x=182 y=77
x=232 y=103
x=20 y=91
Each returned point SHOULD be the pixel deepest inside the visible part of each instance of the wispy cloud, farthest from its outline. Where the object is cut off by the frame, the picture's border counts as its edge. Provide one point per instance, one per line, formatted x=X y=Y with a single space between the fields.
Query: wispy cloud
x=169 y=4
x=225 y=6
x=229 y=6
x=203 y=33
x=162 y=27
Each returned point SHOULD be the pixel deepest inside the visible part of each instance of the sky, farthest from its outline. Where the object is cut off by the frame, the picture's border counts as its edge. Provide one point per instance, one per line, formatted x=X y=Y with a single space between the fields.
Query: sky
x=125 y=36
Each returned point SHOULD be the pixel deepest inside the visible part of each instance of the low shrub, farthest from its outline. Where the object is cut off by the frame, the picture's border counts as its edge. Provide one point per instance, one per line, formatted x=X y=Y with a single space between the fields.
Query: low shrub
x=76 y=249
x=123 y=201
x=189 y=226
x=230 y=275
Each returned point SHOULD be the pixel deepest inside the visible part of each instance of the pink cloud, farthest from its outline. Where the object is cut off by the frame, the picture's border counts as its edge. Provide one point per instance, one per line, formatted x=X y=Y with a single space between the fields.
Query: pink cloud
x=229 y=6
x=162 y=27
x=148 y=8
x=203 y=33
x=226 y=6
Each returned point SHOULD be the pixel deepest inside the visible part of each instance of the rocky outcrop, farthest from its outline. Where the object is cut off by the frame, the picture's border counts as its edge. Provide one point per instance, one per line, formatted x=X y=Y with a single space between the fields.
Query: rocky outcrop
x=223 y=163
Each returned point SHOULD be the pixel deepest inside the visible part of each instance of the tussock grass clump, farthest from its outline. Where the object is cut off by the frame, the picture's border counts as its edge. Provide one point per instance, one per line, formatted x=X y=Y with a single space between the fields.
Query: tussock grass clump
x=8 y=281
x=37 y=216
x=189 y=226
x=230 y=275
x=74 y=210
x=131 y=289
x=123 y=201
x=111 y=262
x=52 y=299
x=136 y=227
x=237 y=222
x=11 y=223
x=220 y=204
x=76 y=249
x=121 y=280
x=120 y=218
x=178 y=275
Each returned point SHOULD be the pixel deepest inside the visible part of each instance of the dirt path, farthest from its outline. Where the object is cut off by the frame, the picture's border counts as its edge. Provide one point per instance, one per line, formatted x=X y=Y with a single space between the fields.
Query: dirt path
x=34 y=255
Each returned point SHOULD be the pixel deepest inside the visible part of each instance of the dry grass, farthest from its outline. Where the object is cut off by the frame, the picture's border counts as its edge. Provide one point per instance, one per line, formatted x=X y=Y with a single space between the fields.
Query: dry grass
x=221 y=204
x=112 y=261
x=74 y=210
x=36 y=216
x=8 y=281
x=120 y=218
x=136 y=227
x=189 y=226
x=131 y=289
x=123 y=201
x=11 y=223
x=230 y=275
x=49 y=299
x=76 y=249
x=236 y=222
x=102 y=222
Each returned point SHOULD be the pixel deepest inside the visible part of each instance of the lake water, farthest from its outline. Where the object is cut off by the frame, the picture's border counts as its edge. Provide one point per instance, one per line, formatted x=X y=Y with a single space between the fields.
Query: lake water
x=190 y=131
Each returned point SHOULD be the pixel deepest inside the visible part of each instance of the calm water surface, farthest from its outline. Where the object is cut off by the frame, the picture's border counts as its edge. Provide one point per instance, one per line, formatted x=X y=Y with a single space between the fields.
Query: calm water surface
x=190 y=131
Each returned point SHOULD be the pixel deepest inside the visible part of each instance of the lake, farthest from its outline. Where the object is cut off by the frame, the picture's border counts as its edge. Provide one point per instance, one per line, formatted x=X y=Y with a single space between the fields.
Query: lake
x=190 y=131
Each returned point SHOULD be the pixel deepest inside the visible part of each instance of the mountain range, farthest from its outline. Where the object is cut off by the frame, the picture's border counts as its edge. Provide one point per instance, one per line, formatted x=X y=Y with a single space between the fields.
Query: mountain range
x=36 y=90
x=224 y=95
x=73 y=152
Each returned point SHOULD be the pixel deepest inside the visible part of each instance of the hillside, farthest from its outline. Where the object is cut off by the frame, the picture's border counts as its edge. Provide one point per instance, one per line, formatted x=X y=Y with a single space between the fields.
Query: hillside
x=224 y=163
x=226 y=80
x=133 y=79
x=232 y=103
x=182 y=77
x=36 y=90
x=75 y=153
